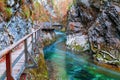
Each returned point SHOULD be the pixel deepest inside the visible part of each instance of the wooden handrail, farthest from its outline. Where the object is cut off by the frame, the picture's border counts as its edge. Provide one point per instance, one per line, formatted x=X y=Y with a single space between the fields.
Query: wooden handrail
x=8 y=49
x=7 y=52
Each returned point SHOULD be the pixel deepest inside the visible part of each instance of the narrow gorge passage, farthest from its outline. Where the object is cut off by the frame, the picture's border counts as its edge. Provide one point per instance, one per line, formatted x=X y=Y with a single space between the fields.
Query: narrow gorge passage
x=66 y=65
x=60 y=39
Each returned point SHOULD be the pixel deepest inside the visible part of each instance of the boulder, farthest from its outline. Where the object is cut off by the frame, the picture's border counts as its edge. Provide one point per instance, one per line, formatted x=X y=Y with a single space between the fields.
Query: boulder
x=77 y=42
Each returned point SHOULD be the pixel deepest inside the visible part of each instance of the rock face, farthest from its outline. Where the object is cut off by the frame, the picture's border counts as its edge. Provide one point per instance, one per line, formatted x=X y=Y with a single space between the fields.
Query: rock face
x=104 y=36
x=21 y=27
x=6 y=38
x=16 y=20
x=79 y=19
x=102 y=30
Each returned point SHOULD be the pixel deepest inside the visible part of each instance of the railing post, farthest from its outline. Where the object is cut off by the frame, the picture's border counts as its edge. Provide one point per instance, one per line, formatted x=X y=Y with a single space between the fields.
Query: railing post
x=8 y=66
x=32 y=41
x=32 y=44
x=35 y=36
x=26 y=51
x=39 y=33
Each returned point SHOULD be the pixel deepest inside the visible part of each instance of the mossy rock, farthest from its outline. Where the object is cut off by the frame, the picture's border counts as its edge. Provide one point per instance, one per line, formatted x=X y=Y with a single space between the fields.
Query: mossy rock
x=106 y=57
x=98 y=56
x=63 y=29
x=8 y=12
x=78 y=48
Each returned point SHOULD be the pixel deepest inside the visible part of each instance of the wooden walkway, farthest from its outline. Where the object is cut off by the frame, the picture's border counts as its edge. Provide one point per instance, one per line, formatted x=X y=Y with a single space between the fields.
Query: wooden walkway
x=14 y=59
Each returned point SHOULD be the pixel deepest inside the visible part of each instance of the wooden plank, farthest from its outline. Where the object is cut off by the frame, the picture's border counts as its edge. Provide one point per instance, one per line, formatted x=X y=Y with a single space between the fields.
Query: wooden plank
x=17 y=68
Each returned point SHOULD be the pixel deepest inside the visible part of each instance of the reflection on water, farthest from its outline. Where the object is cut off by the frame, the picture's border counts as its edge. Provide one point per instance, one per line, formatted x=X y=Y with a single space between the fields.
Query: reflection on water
x=70 y=66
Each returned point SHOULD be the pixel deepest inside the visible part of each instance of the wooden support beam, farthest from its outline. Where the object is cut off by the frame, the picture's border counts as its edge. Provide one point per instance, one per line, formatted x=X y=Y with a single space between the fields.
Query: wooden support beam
x=26 y=51
x=8 y=67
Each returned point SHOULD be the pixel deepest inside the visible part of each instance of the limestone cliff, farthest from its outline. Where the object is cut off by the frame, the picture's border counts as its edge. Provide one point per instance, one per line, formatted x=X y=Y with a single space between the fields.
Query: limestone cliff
x=17 y=17
x=100 y=22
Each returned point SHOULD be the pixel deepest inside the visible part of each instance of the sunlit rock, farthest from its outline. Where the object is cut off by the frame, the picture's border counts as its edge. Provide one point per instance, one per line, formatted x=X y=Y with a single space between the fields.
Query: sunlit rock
x=10 y=2
x=15 y=22
x=77 y=42
x=6 y=38
x=21 y=27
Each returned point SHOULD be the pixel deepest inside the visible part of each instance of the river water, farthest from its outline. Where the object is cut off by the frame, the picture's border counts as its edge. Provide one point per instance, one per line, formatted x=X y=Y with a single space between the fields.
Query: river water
x=66 y=65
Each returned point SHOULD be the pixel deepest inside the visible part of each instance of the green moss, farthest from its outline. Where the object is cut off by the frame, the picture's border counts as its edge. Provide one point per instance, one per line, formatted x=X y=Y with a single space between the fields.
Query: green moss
x=37 y=4
x=77 y=47
x=25 y=11
x=107 y=57
x=117 y=63
x=52 y=1
x=8 y=13
x=27 y=14
x=21 y=2
x=93 y=48
x=99 y=55
x=39 y=73
x=70 y=5
x=63 y=29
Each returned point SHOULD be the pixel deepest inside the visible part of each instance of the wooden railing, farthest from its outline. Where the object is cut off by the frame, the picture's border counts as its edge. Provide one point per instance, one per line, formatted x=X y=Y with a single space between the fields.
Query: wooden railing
x=7 y=52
